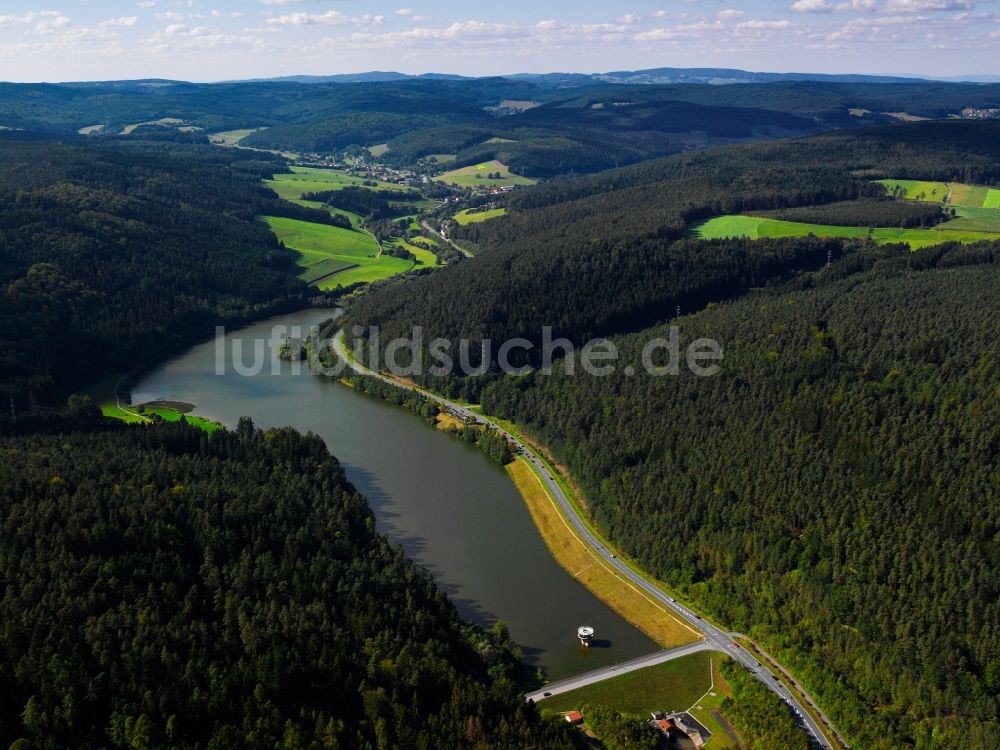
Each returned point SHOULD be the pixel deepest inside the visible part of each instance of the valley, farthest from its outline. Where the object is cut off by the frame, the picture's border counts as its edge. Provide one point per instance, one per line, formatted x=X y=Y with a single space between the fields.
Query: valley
x=221 y=543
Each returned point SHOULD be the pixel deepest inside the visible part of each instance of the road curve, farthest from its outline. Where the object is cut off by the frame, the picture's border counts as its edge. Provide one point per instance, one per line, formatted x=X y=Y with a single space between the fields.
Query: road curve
x=606 y=673
x=715 y=638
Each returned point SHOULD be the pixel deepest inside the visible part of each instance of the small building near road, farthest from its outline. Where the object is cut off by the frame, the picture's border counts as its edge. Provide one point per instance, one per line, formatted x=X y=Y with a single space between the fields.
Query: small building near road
x=574 y=717
x=683 y=723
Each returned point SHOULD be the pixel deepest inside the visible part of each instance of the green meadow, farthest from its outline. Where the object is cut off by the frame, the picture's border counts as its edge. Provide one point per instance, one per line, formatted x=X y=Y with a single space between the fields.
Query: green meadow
x=673 y=686
x=471 y=216
x=475 y=176
x=292 y=185
x=754 y=228
x=919 y=190
x=955 y=194
x=330 y=256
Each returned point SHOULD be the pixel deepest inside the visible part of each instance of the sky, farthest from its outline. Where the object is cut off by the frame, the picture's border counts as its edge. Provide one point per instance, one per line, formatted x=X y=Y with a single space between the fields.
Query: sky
x=211 y=40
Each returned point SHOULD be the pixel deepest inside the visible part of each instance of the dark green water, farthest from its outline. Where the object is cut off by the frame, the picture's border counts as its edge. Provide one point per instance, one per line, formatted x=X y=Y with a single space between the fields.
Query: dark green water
x=452 y=509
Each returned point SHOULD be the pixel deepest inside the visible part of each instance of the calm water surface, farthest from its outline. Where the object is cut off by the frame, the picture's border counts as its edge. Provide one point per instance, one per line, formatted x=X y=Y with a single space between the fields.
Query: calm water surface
x=452 y=509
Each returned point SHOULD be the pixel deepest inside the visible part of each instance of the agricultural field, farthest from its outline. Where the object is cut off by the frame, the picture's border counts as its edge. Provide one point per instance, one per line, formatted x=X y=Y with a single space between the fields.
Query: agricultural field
x=475 y=176
x=378 y=150
x=330 y=256
x=292 y=185
x=673 y=686
x=754 y=228
x=954 y=194
x=232 y=137
x=472 y=216
x=918 y=190
x=163 y=122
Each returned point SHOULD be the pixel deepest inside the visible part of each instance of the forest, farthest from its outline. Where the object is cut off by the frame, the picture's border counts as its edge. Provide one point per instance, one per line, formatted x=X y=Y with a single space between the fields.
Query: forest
x=116 y=257
x=610 y=253
x=166 y=588
x=832 y=491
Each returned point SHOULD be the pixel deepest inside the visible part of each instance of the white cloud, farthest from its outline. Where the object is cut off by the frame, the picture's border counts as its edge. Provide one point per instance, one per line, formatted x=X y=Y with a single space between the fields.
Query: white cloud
x=812 y=6
x=404 y=12
x=123 y=21
x=919 y=6
x=146 y=4
x=823 y=6
x=170 y=15
x=330 y=18
x=731 y=14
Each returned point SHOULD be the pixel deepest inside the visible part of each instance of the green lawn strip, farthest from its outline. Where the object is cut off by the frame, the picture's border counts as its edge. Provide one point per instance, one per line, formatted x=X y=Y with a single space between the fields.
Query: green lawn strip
x=967 y=196
x=325 y=267
x=992 y=199
x=172 y=415
x=671 y=686
x=919 y=190
x=724 y=227
x=757 y=228
x=385 y=268
x=470 y=216
x=424 y=256
x=713 y=700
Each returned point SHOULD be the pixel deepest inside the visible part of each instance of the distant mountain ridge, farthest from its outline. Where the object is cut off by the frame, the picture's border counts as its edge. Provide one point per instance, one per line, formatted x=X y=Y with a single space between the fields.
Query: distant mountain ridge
x=715 y=76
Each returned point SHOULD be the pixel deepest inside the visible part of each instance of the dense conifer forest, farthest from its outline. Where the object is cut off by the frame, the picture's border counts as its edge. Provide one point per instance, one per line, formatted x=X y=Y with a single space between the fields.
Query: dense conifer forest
x=164 y=588
x=115 y=257
x=834 y=490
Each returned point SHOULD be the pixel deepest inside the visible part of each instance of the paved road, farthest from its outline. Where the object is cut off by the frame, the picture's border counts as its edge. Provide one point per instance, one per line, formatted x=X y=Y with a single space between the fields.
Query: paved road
x=606 y=673
x=444 y=237
x=715 y=638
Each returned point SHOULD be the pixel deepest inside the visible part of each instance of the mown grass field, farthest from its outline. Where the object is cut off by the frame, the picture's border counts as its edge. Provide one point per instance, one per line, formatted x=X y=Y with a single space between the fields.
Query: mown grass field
x=330 y=256
x=475 y=176
x=753 y=227
x=471 y=216
x=292 y=185
x=231 y=137
x=961 y=195
x=590 y=569
x=919 y=190
x=674 y=686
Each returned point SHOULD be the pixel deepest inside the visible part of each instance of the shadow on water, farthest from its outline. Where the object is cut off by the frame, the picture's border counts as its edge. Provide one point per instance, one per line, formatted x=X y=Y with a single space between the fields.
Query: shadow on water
x=447 y=506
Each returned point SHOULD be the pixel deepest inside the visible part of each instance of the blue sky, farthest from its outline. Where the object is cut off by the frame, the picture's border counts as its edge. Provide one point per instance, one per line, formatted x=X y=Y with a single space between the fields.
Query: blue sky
x=205 y=40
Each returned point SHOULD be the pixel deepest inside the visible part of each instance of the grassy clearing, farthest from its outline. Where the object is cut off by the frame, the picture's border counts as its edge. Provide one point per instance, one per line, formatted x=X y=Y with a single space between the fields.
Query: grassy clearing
x=292 y=185
x=992 y=199
x=475 y=176
x=162 y=122
x=103 y=393
x=584 y=564
x=756 y=228
x=708 y=709
x=441 y=158
x=378 y=150
x=331 y=256
x=471 y=216
x=231 y=137
x=673 y=686
x=919 y=190
x=969 y=196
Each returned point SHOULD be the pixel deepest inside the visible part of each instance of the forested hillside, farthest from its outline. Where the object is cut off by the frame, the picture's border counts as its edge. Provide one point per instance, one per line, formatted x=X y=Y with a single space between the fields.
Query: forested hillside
x=163 y=588
x=833 y=491
x=115 y=256
x=607 y=253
